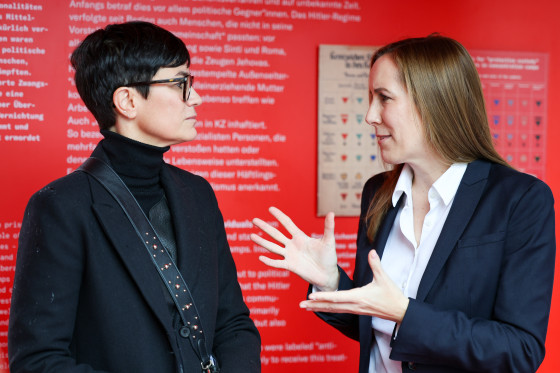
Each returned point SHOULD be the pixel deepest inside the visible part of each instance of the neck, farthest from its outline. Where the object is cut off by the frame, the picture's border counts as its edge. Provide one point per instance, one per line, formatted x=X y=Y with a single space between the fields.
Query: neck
x=138 y=165
x=427 y=174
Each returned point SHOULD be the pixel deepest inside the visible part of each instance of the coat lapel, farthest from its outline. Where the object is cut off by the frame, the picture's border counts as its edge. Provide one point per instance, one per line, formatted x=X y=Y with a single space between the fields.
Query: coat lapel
x=131 y=250
x=128 y=246
x=465 y=202
x=186 y=216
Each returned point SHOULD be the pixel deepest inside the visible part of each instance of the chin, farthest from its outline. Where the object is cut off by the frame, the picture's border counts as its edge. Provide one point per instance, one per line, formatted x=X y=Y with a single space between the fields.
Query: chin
x=188 y=135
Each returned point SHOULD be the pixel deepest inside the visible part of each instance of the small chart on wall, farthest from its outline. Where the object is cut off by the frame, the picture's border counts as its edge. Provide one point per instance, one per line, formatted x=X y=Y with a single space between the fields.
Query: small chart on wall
x=514 y=86
x=515 y=89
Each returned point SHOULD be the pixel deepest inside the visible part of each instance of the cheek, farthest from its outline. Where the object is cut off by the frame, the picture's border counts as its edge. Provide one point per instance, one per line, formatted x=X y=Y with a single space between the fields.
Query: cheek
x=169 y=109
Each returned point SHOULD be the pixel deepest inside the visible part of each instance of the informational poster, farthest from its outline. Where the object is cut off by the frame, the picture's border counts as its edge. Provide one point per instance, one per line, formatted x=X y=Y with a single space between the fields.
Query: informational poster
x=515 y=89
x=348 y=154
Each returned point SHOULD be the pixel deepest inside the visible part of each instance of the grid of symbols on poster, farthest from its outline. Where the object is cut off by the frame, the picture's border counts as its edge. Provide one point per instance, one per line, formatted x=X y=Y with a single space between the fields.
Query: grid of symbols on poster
x=515 y=90
x=347 y=149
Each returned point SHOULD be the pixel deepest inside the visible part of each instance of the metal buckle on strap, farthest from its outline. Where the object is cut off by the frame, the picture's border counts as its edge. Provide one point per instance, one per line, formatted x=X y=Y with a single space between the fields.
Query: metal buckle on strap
x=211 y=366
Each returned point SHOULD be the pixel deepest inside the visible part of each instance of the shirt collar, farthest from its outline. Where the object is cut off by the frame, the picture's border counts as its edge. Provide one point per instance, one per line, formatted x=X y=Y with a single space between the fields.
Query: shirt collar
x=448 y=183
x=404 y=184
x=445 y=186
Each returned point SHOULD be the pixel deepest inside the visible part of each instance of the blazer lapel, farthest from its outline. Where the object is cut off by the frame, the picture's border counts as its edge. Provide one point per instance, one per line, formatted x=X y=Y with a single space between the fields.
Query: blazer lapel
x=383 y=233
x=380 y=239
x=465 y=202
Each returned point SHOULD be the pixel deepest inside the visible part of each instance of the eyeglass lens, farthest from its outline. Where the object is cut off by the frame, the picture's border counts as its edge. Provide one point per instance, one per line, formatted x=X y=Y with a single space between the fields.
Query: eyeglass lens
x=187 y=87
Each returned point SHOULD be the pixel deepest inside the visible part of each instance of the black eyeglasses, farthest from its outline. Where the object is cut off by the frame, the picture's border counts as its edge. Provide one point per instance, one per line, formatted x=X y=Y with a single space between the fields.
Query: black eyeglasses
x=185 y=82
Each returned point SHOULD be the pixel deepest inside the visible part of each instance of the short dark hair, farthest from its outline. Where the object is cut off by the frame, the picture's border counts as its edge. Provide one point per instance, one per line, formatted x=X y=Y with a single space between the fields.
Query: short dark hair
x=120 y=54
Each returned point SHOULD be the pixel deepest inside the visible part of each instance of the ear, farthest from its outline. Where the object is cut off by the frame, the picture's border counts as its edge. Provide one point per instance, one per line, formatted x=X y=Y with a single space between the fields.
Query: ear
x=124 y=101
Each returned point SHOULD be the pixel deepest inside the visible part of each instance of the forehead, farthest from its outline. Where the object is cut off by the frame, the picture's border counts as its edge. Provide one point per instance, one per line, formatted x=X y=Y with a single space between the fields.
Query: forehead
x=171 y=72
x=384 y=73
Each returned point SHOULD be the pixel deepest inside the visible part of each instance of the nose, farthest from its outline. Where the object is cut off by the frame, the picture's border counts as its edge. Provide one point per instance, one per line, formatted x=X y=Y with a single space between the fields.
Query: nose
x=194 y=99
x=373 y=115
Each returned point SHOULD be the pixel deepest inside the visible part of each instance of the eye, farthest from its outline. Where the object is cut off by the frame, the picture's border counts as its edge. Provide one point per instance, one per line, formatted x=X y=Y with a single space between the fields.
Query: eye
x=384 y=98
x=180 y=84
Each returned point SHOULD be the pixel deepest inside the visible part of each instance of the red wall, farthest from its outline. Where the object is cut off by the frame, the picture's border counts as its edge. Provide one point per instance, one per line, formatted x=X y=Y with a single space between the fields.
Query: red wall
x=499 y=25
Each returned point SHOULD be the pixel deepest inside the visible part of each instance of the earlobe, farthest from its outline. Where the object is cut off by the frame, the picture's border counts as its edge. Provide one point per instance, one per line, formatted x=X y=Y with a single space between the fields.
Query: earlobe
x=123 y=101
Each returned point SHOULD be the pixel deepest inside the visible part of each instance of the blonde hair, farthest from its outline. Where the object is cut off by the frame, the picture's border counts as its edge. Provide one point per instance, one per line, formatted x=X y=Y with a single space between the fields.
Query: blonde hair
x=441 y=78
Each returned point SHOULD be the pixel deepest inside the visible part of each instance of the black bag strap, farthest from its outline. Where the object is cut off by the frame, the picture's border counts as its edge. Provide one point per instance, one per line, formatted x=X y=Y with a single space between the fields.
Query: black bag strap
x=166 y=267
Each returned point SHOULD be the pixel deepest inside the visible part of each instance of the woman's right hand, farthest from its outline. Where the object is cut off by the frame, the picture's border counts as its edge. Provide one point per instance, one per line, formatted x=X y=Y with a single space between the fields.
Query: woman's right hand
x=312 y=259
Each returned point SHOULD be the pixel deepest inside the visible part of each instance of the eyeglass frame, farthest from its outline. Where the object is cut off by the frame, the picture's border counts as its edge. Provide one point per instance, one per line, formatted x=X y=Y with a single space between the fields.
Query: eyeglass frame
x=185 y=79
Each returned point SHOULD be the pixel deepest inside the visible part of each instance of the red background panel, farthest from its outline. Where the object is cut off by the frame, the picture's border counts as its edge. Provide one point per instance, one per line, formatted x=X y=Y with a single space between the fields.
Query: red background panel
x=500 y=25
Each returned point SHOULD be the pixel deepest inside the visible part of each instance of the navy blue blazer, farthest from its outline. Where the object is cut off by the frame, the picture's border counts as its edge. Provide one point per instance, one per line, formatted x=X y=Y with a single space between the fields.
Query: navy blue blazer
x=484 y=300
x=87 y=297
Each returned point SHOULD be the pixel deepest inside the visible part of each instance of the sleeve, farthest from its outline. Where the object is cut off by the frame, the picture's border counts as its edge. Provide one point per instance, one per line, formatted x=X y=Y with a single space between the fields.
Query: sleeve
x=46 y=286
x=512 y=340
x=237 y=342
x=348 y=324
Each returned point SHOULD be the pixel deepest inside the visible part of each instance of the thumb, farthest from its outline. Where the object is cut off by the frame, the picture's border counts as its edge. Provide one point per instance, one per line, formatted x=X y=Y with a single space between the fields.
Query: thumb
x=375 y=263
x=328 y=234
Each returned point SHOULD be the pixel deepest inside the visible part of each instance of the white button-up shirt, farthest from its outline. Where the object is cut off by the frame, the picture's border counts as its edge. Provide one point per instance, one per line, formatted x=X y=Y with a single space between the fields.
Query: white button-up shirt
x=403 y=259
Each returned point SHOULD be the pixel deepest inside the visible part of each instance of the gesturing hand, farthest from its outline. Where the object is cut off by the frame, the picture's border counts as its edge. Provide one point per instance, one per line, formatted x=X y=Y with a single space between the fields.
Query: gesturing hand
x=380 y=298
x=314 y=260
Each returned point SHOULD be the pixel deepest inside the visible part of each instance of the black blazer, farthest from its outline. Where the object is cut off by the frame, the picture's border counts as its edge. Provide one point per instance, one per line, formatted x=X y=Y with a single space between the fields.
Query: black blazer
x=484 y=300
x=87 y=297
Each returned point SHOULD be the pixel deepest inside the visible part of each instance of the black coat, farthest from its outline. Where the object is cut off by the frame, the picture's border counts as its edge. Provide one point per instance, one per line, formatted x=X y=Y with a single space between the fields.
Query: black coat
x=87 y=297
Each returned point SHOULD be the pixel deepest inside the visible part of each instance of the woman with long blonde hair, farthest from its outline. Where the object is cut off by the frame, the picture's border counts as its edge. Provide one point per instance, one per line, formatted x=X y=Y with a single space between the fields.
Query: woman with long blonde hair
x=455 y=249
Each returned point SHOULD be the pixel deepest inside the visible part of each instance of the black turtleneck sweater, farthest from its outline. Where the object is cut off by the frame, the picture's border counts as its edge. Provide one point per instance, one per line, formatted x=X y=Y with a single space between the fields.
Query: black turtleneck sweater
x=138 y=165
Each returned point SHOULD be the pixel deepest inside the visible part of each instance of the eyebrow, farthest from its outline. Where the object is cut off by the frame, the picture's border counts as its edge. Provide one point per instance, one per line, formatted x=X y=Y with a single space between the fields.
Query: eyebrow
x=382 y=90
x=183 y=73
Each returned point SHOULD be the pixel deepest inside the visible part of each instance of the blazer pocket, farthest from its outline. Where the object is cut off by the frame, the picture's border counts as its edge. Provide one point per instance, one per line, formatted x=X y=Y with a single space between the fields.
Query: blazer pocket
x=487 y=246
x=482 y=240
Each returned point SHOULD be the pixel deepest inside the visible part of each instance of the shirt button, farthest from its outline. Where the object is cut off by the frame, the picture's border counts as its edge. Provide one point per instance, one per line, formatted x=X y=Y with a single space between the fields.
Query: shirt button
x=185 y=332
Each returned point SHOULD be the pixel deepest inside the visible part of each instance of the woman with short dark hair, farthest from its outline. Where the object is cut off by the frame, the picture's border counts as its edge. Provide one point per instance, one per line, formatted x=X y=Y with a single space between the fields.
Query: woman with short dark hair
x=130 y=272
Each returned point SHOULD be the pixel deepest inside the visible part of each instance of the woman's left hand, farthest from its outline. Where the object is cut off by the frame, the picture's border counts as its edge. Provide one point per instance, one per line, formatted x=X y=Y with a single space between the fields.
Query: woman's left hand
x=380 y=298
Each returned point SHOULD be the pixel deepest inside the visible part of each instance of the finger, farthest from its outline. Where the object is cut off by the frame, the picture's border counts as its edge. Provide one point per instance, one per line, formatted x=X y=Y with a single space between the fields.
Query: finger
x=329 y=307
x=270 y=246
x=280 y=264
x=329 y=227
x=375 y=264
x=329 y=296
x=284 y=220
x=270 y=230
x=344 y=296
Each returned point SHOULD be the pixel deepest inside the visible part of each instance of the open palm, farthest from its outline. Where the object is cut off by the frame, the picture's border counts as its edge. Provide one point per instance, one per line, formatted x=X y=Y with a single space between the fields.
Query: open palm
x=314 y=260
